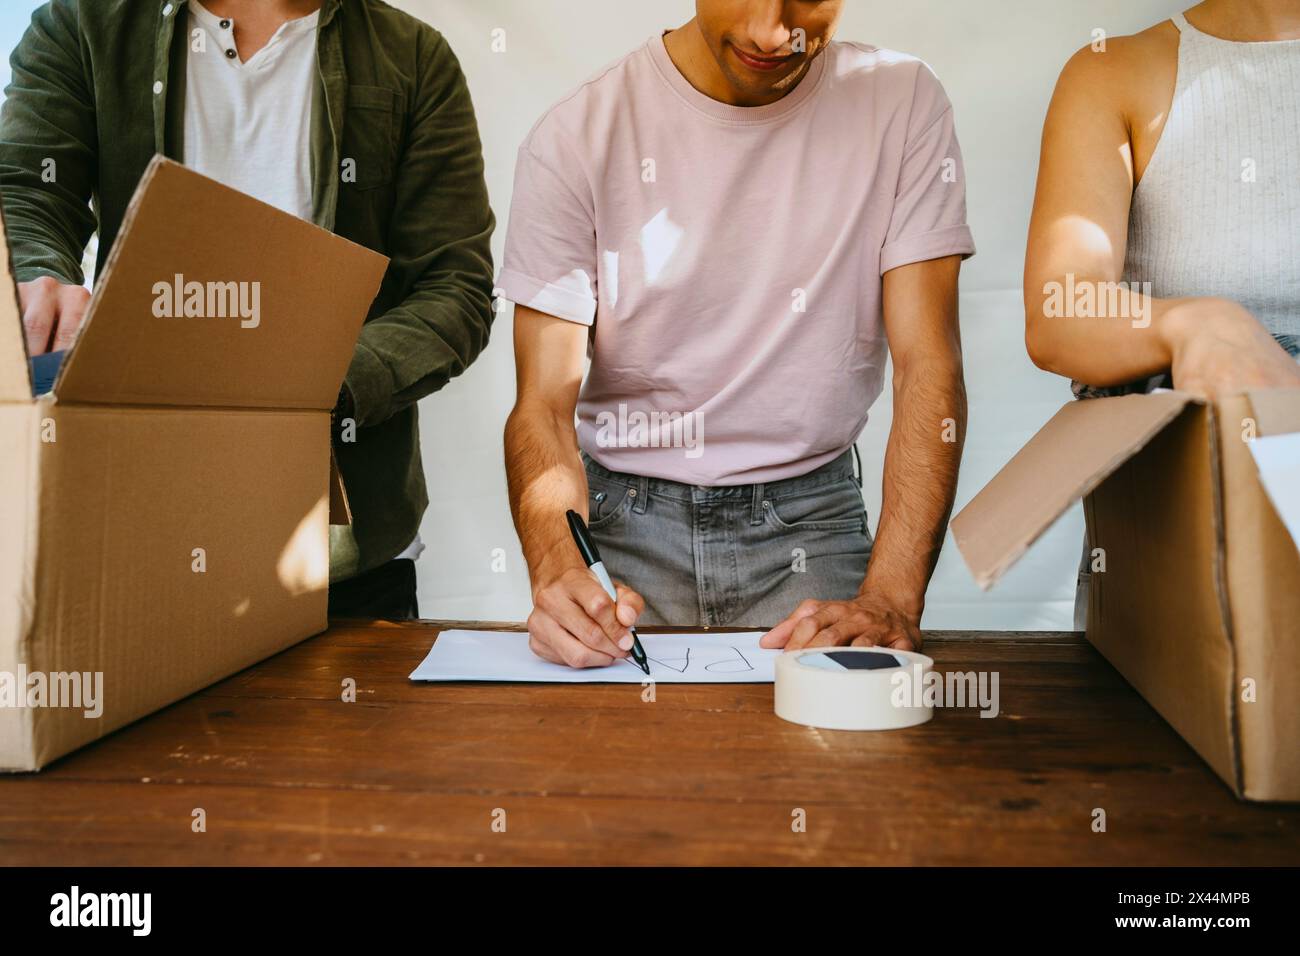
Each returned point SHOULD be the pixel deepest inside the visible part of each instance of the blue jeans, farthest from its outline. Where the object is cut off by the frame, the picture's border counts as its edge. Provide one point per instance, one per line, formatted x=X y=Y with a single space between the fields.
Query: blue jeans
x=740 y=555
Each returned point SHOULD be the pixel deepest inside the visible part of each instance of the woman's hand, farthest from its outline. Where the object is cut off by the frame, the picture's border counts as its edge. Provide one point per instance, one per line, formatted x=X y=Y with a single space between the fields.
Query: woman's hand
x=1219 y=348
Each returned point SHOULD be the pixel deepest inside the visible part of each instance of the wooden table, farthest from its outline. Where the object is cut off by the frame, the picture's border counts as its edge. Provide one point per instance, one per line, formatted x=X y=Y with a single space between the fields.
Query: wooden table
x=286 y=772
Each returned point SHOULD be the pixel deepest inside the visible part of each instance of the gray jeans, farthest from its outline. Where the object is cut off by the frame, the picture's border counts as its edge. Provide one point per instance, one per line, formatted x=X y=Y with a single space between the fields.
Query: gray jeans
x=740 y=555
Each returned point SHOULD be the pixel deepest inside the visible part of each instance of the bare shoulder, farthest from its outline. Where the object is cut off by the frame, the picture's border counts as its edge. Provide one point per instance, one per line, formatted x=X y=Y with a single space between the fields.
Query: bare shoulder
x=1134 y=74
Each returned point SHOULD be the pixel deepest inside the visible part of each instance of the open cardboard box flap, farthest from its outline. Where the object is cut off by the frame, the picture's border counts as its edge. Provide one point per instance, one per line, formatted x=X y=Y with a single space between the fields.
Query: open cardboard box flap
x=1083 y=444
x=244 y=344
x=287 y=345
x=1277 y=410
x=1277 y=413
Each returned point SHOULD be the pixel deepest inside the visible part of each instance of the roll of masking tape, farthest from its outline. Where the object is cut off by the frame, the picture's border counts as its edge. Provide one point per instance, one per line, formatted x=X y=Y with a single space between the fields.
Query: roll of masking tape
x=852 y=688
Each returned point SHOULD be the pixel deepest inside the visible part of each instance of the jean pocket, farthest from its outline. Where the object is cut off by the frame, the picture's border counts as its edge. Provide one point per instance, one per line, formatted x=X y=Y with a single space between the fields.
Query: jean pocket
x=836 y=507
x=607 y=501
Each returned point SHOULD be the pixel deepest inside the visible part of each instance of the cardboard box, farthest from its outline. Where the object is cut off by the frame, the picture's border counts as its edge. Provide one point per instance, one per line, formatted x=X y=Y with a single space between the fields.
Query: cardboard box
x=164 y=513
x=1198 y=605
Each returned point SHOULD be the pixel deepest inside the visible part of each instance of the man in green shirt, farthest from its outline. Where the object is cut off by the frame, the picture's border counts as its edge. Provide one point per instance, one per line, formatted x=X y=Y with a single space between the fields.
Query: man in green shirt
x=346 y=112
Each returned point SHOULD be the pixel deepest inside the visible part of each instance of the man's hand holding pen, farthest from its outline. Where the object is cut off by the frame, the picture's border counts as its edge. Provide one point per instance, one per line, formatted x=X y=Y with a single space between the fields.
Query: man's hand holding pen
x=575 y=622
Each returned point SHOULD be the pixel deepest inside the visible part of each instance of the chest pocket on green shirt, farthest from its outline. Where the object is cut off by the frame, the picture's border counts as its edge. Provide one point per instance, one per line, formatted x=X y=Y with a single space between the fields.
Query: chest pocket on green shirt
x=371 y=129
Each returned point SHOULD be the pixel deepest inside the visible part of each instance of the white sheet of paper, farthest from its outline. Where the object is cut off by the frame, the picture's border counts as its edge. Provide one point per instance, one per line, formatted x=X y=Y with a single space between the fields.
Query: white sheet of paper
x=674 y=659
x=1278 y=459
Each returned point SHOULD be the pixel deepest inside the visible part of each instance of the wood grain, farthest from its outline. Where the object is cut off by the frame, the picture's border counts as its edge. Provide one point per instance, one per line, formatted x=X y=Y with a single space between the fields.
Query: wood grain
x=288 y=773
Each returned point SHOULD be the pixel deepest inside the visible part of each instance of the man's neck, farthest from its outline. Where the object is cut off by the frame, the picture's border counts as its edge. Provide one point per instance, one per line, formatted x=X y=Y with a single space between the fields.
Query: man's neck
x=1247 y=21
x=694 y=60
x=281 y=10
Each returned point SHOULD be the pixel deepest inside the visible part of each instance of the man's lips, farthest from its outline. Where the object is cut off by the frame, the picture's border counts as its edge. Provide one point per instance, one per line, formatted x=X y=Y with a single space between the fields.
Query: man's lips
x=766 y=64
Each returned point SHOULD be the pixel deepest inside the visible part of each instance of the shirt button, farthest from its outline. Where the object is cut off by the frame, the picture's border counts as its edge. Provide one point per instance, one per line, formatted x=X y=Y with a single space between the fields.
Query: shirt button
x=230 y=54
x=167 y=10
x=225 y=24
x=157 y=87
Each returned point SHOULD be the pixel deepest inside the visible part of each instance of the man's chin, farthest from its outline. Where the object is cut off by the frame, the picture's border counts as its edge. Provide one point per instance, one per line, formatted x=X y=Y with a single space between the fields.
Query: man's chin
x=758 y=89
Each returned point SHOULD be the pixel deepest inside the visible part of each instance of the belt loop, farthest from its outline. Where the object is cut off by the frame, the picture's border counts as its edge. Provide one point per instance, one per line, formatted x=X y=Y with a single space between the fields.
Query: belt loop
x=857 y=475
x=641 y=493
x=756 y=505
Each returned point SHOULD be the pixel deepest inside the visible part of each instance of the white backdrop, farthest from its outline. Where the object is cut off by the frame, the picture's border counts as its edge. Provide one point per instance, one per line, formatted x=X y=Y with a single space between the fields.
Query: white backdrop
x=998 y=60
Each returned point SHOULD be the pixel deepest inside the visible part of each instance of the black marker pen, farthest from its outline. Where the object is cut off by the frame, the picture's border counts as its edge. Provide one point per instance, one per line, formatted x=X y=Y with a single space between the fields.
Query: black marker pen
x=587 y=548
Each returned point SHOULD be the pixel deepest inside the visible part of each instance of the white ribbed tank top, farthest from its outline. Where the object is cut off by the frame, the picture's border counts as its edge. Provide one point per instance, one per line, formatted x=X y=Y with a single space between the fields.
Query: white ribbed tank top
x=1217 y=211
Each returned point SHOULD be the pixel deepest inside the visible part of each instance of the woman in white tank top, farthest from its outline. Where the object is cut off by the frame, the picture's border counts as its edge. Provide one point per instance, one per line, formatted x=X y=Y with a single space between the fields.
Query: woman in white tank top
x=1165 y=237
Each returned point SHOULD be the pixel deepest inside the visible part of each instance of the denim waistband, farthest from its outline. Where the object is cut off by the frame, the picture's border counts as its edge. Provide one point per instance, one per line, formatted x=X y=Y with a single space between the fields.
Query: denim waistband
x=837 y=469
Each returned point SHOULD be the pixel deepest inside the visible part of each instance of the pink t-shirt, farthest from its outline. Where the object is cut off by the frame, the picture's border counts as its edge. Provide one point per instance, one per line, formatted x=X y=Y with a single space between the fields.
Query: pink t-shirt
x=730 y=258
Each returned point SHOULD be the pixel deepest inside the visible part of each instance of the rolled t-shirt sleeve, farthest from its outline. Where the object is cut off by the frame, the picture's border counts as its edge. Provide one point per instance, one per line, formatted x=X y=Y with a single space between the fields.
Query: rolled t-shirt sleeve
x=550 y=255
x=929 y=217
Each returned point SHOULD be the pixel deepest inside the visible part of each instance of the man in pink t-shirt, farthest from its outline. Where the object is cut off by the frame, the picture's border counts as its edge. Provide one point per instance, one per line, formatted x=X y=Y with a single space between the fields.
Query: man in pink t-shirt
x=737 y=221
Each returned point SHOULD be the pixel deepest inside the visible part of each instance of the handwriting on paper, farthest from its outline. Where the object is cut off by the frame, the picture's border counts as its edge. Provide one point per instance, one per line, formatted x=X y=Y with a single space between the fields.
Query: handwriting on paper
x=700 y=658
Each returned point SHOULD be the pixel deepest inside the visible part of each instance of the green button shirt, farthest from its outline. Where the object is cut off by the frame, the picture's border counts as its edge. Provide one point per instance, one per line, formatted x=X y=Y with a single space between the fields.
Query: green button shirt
x=98 y=88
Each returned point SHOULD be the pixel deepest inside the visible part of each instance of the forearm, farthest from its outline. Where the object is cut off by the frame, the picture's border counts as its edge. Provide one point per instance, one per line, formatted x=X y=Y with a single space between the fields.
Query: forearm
x=439 y=245
x=546 y=478
x=1108 y=333
x=47 y=149
x=920 y=480
x=416 y=348
x=47 y=236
